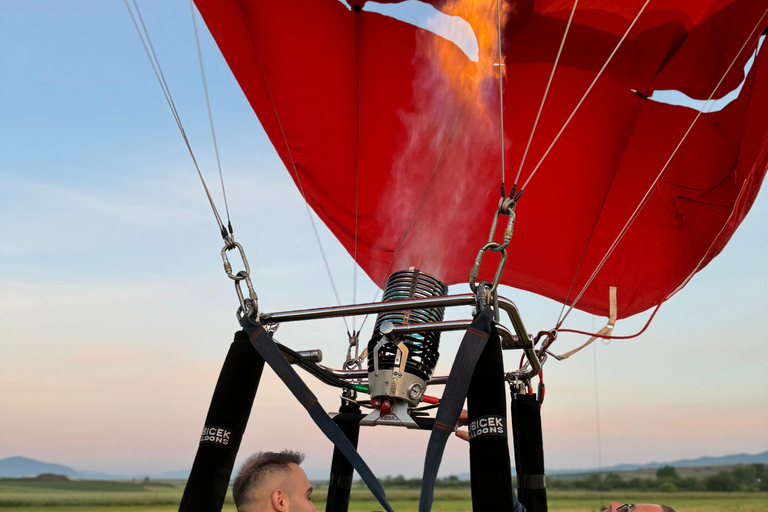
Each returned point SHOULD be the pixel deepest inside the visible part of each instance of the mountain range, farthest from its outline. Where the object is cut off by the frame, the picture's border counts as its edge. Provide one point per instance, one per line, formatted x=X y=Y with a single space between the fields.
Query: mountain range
x=16 y=467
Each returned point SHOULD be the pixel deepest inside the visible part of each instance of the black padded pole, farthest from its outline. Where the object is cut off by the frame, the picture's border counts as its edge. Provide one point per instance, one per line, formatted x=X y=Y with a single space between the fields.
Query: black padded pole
x=341 y=470
x=489 y=465
x=529 y=452
x=224 y=427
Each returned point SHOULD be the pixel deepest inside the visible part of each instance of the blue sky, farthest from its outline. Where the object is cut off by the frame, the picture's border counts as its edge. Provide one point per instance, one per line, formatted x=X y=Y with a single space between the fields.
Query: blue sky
x=115 y=314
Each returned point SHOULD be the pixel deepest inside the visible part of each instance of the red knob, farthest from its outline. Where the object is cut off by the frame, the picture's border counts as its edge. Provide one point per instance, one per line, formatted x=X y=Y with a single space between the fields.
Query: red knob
x=386 y=408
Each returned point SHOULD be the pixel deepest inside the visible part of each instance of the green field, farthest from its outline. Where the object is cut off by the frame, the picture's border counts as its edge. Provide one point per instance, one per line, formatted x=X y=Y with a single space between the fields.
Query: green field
x=29 y=495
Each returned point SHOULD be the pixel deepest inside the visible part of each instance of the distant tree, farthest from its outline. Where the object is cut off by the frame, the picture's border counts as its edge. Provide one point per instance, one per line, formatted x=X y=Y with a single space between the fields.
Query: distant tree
x=145 y=481
x=722 y=482
x=614 y=481
x=592 y=482
x=559 y=483
x=668 y=487
x=52 y=477
x=668 y=472
x=689 y=483
x=745 y=475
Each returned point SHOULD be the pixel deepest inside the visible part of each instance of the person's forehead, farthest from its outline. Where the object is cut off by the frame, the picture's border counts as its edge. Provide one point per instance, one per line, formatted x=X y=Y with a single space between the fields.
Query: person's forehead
x=298 y=473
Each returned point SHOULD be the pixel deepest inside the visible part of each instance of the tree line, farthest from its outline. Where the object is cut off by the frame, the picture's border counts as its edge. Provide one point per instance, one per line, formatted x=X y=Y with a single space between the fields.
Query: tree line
x=749 y=477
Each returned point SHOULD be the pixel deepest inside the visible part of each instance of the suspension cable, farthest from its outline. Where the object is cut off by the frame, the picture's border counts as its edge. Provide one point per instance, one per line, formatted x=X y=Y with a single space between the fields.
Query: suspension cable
x=357 y=164
x=210 y=114
x=418 y=206
x=325 y=261
x=293 y=164
x=146 y=42
x=501 y=93
x=546 y=90
x=584 y=96
x=597 y=419
x=649 y=192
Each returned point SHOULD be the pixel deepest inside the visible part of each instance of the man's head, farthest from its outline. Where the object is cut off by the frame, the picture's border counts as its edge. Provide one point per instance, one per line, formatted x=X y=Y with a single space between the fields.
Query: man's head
x=271 y=481
x=640 y=507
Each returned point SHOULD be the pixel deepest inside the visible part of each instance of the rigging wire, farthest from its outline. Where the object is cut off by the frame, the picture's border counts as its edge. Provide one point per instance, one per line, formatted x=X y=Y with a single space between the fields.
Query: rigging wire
x=670 y=293
x=501 y=93
x=649 y=192
x=546 y=90
x=418 y=206
x=325 y=261
x=597 y=416
x=293 y=164
x=584 y=97
x=155 y=63
x=210 y=114
x=357 y=165
x=442 y=155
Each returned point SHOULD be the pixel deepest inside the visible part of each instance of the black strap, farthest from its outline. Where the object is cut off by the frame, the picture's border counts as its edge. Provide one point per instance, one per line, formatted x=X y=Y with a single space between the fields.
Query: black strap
x=224 y=427
x=342 y=472
x=529 y=452
x=453 y=400
x=489 y=464
x=265 y=346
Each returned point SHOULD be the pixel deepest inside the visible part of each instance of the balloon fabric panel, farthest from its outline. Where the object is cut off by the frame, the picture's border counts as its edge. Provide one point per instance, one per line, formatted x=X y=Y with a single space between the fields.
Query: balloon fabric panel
x=361 y=105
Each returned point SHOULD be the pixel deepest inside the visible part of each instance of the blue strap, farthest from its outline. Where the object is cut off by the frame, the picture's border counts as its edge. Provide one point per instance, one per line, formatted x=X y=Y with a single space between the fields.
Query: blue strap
x=265 y=346
x=452 y=401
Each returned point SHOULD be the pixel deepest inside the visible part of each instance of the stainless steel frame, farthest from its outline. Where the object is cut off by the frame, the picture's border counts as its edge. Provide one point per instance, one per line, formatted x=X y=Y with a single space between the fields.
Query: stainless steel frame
x=509 y=341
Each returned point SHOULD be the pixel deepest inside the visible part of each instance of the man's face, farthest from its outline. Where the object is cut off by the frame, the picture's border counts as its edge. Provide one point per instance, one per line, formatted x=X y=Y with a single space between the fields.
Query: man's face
x=640 y=507
x=301 y=500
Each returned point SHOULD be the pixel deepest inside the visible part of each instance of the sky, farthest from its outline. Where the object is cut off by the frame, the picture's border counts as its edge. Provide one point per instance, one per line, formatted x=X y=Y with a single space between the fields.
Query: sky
x=116 y=315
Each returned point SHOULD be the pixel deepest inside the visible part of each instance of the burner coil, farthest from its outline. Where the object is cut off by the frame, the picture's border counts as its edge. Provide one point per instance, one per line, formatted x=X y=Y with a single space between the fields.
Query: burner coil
x=422 y=347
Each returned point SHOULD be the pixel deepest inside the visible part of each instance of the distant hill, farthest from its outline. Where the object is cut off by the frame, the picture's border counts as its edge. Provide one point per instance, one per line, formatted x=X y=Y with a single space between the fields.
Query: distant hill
x=19 y=467
x=725 y=460
x=15 y=467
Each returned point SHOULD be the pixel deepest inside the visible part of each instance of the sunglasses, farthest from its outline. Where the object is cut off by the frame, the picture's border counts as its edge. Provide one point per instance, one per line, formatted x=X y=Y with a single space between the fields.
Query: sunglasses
x=627 y=507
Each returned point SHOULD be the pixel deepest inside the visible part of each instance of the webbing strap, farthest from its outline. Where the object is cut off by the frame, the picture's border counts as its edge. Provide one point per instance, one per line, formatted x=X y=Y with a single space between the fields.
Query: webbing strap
x=452 y=401
x=265 y=346
x=605 y=331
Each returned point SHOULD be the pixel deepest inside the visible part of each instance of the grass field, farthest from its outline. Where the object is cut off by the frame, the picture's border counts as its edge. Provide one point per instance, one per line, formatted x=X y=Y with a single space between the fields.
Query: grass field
x=26 y=495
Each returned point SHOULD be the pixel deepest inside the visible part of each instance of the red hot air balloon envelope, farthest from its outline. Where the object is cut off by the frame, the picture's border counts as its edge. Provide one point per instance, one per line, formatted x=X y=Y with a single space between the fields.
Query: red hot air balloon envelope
x=395 y=145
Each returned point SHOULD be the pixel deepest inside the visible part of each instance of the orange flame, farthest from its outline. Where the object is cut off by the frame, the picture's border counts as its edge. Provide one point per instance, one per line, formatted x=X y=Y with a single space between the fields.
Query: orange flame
x=465 y=79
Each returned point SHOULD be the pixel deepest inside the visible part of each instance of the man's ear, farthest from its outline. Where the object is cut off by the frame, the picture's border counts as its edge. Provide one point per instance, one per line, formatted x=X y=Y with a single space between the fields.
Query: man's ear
x=279 y=500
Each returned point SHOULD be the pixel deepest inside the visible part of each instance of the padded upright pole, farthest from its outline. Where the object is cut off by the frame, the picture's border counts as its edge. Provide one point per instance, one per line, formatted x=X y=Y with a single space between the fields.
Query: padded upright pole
x=341 y=470
x=224 y=427
x=489 y=464
x=529 y=452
